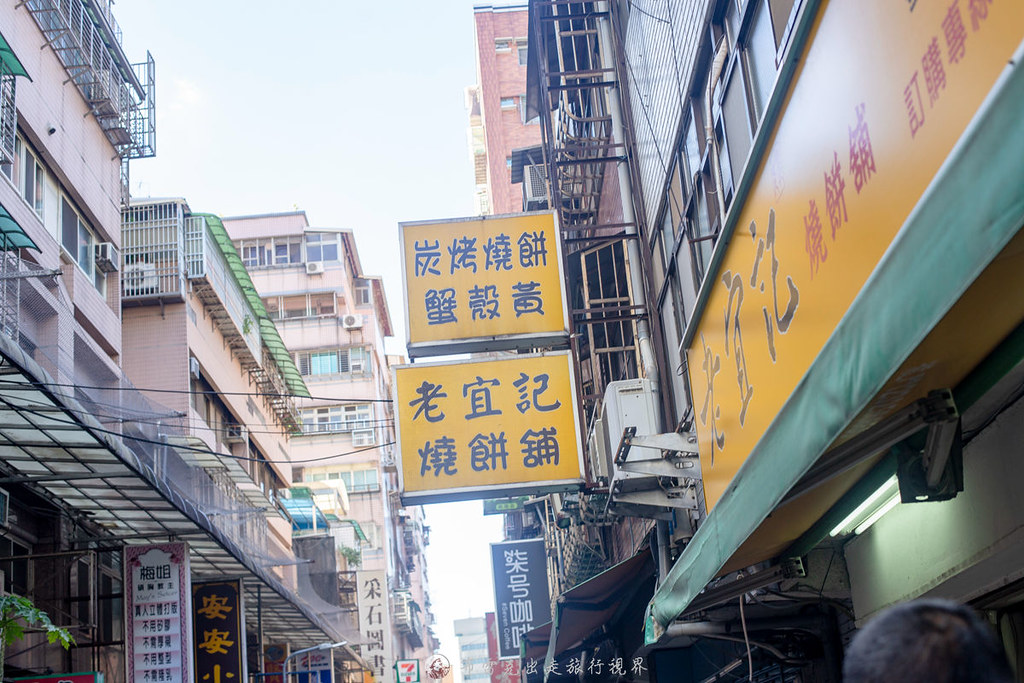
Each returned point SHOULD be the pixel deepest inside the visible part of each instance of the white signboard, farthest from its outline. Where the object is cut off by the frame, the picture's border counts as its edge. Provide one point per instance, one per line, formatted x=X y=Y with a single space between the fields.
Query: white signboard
x=375 y=622
x=158 y=613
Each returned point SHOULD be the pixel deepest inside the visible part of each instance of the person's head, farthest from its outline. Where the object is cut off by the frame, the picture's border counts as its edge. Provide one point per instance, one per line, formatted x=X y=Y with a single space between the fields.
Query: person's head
x=937 y=641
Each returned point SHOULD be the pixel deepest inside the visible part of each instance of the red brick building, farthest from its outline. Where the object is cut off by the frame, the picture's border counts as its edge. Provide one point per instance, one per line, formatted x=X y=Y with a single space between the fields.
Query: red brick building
x=497 y=106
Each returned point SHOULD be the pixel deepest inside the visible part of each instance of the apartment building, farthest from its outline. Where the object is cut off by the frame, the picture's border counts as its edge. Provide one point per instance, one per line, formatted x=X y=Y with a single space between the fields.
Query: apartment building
x=501 y=135
x=796 y=368
x=93 y=468
x=333 y=319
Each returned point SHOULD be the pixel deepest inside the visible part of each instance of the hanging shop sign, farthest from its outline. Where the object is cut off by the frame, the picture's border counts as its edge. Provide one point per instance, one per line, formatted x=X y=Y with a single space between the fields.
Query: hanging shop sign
x=481 y=428
x=853 y=151
x=499 y=506
x=158 y=610
x=483 y=283
x=219 y=631
x=520 y=591
x=374 y=616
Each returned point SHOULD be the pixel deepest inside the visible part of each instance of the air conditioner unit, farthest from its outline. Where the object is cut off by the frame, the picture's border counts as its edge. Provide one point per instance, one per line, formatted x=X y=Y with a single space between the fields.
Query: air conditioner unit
x=352 y=322
x=140 y=279
x=314 y=268
x=193 y=367
x=108 y=258
x=627 y=403
x=234 y=433
x=535 y=183
x=597 y=453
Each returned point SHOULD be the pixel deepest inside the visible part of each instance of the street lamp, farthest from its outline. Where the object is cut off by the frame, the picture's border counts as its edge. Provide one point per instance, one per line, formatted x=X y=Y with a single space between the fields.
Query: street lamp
x=321 y=646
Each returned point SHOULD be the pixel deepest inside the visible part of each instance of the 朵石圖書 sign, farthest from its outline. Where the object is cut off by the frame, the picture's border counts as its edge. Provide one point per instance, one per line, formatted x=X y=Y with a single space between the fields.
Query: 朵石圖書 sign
x=520 y=591
x=484 y=283
x=476 y=429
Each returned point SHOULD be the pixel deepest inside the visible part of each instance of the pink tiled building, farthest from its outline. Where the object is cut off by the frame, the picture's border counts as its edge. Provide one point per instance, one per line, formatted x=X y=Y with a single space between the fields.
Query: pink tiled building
x=497 y=106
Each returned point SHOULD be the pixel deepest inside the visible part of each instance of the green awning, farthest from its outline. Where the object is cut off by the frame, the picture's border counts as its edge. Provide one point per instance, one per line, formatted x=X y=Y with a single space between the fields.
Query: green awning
x=10 y=61
x=970 y=212
x=12 y=236
x=271 y=337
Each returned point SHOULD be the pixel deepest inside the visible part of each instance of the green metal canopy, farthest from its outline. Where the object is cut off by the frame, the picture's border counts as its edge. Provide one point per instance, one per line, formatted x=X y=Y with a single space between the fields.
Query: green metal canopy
x=10 y=61
x=271 y=337
x=12 y=235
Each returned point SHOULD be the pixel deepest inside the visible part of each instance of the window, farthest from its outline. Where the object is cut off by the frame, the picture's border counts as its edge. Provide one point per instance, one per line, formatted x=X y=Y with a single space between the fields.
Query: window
x=363 y=437
x=361 y=292
x=339 y=418
x=354 y=360
x=311 y=305
x=322 y=247
x=271 y=251
x=504 y=45
x=357 y=481
x=508 y=102
x=521 y=48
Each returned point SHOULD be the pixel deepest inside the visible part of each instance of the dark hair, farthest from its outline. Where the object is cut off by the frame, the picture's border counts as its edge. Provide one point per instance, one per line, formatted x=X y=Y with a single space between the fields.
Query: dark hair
x=937 y=641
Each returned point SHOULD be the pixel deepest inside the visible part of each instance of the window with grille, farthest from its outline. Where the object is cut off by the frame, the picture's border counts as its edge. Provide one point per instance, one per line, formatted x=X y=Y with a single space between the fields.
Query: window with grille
x=339 y=418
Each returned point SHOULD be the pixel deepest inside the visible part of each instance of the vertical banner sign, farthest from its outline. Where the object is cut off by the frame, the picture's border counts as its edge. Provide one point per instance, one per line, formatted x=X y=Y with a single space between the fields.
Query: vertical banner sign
x=476 y=429
x=506 y=671
x=374 y=616
x=219 y=634
x=483 y=283
x=158 y=610
x=520 y=591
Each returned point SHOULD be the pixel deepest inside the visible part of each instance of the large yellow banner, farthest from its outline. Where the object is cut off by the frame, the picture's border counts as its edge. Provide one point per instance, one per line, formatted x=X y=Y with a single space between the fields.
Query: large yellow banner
x=484 y=277
x=476 y=429
x=883 y=93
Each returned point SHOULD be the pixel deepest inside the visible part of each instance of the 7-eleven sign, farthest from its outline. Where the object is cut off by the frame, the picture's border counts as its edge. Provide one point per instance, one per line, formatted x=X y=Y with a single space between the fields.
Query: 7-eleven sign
x=408 y=670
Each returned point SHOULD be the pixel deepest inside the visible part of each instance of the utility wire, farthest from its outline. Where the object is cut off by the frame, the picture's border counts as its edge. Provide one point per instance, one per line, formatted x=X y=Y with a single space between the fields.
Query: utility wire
x=187 y=391
x=172 y=419
x=205 y=451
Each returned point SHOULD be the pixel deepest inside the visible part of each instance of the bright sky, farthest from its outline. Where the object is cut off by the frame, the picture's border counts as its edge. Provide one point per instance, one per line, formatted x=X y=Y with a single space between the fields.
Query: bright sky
x=351 y=111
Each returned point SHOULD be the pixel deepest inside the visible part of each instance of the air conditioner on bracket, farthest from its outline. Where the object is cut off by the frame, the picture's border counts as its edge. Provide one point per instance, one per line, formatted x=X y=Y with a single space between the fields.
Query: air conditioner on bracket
x=314 y=268
x=352 y=322
x=535 y=183
x=108 y=258
x=140 y=279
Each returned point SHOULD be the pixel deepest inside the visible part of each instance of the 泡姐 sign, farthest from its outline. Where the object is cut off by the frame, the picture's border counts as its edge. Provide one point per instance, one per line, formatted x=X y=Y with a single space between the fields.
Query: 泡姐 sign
x=476 y=429
x=158 y=610
x=483 y=283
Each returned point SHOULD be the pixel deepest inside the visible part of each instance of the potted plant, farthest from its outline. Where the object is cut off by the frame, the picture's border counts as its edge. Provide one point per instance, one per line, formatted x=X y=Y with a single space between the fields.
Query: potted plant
x=17 y=614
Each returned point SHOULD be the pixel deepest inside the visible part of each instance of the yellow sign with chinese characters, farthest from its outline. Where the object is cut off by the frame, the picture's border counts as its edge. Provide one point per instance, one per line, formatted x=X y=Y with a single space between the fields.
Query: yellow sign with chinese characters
x=476 y=429
x=486 y=283
x=884 y=91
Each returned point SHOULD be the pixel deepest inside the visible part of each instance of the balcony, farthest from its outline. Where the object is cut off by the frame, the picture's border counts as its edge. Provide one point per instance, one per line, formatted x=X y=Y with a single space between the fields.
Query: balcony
x=407 y=617
x=165 y=249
